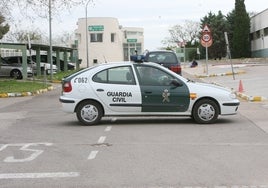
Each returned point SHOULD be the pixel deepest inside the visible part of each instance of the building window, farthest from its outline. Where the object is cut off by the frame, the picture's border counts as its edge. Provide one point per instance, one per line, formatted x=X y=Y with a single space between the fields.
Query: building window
x=112 y=37
x=96 y=37
x=258 y=34
x=265 y=31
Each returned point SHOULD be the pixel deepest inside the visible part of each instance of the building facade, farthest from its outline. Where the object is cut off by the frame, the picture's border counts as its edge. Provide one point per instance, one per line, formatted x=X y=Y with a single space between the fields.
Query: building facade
x=102 y=39
x=259 y=34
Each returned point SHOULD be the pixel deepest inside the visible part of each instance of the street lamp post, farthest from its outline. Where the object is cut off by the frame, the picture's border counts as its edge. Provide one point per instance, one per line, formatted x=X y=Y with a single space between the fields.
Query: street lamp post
x=87 y=34
x=50 y=41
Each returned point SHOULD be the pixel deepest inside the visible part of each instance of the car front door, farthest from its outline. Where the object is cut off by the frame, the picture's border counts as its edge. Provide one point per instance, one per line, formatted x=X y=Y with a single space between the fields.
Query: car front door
x=161 y=91
x=4 y=68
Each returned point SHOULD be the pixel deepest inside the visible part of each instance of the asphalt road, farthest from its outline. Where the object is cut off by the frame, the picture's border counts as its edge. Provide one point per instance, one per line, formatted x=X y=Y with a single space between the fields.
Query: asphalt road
x=41 y=146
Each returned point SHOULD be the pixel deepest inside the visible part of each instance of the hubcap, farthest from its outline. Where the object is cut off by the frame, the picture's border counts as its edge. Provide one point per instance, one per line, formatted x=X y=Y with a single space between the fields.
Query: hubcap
x=89 y=113
x=206 y=112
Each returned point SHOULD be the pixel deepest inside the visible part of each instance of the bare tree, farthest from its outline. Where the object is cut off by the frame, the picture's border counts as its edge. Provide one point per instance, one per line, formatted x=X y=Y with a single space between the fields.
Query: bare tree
x=4 y=27
x=22 y=35
x=188 y=32
x=32 y=8
x=29 y=11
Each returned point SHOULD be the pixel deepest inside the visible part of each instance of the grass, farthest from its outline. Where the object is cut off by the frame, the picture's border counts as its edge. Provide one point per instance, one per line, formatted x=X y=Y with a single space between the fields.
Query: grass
x=60 y=75
x=18 y=86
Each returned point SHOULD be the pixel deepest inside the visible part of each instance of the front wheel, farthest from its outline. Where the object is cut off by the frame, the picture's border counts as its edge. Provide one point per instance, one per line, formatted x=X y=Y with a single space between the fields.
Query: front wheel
x=16 y=74
x=89 y=112
x=205 y=111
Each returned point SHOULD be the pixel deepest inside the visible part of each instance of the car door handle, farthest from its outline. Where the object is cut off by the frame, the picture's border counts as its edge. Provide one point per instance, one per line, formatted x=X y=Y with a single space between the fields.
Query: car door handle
x=148 y=92
x=100 y=90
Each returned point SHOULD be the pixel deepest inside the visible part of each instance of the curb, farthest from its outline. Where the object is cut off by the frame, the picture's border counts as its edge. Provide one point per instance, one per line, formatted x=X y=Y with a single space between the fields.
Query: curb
x=25 y=94
x=244 y=96
x=238 y=94
x=251 y=98
x=220 y=74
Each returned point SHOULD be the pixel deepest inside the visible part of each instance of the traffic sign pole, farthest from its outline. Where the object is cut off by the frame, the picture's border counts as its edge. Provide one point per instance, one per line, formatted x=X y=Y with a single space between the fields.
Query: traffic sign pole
x=207 y=59
x=229 y=53
x=206 y=41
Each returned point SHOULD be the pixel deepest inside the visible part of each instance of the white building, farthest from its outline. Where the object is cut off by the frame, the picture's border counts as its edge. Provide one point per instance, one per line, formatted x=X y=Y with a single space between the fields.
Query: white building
x=259 y=34
x=101 y=39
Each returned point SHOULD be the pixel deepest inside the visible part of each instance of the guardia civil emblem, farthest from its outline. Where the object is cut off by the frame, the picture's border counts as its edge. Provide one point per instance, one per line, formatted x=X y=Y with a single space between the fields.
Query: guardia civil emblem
x=165 y=96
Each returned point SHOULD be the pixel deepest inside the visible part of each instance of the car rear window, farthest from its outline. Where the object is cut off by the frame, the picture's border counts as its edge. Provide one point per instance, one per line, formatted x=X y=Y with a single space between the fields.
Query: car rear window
x=162 y=57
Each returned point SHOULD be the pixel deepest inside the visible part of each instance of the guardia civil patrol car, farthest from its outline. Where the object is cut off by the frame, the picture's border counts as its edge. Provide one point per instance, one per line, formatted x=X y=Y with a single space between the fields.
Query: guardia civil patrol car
x=142 y=89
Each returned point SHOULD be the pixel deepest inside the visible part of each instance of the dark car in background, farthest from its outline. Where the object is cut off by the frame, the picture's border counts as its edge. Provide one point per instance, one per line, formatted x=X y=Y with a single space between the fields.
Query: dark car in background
x=166 y=58
x=44 y=58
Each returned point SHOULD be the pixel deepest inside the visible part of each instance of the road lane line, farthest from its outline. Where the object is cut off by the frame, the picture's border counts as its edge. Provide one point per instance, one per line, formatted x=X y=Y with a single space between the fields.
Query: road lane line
x=108 y=128
x=101 y=139
x=39 y=175
x=92 y=155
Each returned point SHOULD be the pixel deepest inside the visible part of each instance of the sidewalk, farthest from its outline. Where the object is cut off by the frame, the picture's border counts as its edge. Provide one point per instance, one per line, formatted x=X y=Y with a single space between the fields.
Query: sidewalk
x=249 y=80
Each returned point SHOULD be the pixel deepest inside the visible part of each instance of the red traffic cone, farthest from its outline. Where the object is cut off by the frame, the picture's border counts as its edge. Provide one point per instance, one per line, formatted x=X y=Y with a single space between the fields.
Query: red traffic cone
x=240 y=88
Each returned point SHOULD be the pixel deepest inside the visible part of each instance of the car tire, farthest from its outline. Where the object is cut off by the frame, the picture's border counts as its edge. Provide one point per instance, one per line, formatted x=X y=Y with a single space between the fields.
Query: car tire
x=16 y=74
x=205 y=111
x=89 y=112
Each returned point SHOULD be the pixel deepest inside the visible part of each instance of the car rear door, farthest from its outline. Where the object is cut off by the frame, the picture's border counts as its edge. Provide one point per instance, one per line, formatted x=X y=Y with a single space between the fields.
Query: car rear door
x=118 y=90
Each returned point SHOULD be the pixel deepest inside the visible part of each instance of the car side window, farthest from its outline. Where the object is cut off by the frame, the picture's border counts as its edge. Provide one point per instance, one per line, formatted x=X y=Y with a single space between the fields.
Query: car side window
x=153 y=76
x=117 y=75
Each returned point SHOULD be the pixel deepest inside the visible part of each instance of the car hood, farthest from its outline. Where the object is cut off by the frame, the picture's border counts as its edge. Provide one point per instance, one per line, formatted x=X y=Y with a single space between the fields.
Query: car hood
x=205 y=87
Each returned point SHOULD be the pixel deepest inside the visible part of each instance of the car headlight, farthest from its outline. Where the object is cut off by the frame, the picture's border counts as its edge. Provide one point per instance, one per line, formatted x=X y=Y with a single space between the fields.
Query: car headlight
x=232 y=95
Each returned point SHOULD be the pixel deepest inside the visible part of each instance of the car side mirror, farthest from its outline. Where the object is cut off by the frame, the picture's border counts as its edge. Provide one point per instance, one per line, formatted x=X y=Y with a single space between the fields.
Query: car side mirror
x=176 y=83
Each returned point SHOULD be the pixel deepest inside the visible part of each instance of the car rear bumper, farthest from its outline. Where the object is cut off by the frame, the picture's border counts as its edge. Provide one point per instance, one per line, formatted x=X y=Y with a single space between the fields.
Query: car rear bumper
x=68 y=105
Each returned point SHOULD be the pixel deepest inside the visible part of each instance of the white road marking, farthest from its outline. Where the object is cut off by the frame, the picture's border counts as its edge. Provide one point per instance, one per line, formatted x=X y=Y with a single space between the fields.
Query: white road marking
x=39 y=175
x=24 y=147
x=101 y=139
x=108 y=128
x=92 y=155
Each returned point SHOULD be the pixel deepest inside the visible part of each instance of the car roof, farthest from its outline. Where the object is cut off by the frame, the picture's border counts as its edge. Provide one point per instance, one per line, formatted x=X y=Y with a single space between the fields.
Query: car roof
x=155 y=51
x=122 y=63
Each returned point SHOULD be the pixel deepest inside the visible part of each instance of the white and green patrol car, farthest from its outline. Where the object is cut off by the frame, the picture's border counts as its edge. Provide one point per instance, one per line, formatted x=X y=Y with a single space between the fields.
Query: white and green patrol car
x=142 y=89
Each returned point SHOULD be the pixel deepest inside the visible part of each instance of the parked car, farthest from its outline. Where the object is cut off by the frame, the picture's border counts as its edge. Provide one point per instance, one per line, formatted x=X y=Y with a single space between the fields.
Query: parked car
x=44 y=58
x=18 y=60
x=45 y=66
x=13 y=70
x=166 y=58
x=142 y=89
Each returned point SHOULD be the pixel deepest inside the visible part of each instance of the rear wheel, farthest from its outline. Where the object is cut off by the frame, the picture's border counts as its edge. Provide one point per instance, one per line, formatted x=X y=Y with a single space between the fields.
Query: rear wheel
x=205 y=111
x=89 y=112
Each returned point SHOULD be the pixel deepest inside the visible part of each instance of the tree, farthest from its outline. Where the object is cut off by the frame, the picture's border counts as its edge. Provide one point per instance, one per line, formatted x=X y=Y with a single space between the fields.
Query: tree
x=218 y=26
x=31 y=9
x=22 y=36
x=4 y=28
x=241 y=31
x=38 y=7
x=188 y=32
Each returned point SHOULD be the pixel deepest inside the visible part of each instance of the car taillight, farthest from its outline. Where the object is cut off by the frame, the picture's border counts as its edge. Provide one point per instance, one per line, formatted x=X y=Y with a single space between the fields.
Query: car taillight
x=67 y=87
x=176 y=68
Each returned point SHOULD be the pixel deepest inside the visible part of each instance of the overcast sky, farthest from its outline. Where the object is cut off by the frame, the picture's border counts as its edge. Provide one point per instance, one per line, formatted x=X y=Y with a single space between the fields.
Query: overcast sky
x=155 y=16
